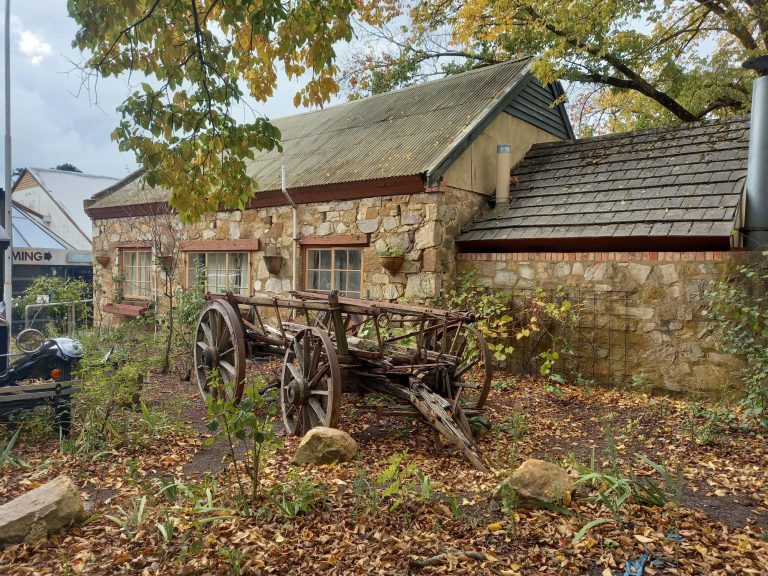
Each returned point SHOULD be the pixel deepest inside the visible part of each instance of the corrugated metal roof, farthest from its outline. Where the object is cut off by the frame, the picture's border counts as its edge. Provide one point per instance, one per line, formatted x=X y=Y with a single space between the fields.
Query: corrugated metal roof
x=29 y=233
x=70 y=189
x=679 y=181
x=400 y=133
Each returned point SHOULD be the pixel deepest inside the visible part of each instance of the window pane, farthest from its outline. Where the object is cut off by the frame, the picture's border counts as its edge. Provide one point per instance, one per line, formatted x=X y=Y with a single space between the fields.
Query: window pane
x=217 y=271
x=341 y=259
x=313 y=262
x=340 y=280
x=353 y=284
x=355 y=259
x=324 y=280
x=325 y=259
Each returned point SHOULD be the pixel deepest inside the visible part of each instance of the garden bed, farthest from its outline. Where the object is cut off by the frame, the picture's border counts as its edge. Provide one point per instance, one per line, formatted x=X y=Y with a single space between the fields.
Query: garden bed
x=345 y=524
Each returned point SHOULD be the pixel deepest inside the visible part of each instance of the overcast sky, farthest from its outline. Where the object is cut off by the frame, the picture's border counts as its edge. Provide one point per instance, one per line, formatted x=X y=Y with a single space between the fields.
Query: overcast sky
x=54 y=119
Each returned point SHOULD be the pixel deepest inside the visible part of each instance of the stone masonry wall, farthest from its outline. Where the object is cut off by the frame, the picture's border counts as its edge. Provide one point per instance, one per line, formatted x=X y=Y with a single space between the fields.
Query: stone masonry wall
x=424 y=226
x=650 y=303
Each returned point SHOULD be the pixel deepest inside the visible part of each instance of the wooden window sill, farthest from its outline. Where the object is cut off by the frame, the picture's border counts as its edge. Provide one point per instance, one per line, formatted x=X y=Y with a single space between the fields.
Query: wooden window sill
x=132 y=310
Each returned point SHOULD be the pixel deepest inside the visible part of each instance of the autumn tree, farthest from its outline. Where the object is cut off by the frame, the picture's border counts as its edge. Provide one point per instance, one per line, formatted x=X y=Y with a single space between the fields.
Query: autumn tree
x=636 y=63
x=200 y=58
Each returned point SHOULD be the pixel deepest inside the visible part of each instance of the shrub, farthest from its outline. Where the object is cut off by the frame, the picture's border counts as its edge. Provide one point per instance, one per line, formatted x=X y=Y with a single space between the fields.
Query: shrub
x=57 y=289
x=505 y=319
x=738 y=313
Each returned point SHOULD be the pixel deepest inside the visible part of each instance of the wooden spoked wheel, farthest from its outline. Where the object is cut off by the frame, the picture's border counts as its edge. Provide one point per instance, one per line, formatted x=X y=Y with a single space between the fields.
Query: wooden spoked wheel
x=310 y=390
x=471 y=379
x=219 y=352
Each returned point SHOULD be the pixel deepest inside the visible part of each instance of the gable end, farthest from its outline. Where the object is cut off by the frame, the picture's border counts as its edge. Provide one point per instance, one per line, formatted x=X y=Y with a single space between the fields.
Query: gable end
x=534 y=105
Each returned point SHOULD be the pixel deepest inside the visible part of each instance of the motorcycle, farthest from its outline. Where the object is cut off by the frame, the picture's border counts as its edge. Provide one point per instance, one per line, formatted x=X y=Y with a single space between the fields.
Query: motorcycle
x=42 y=373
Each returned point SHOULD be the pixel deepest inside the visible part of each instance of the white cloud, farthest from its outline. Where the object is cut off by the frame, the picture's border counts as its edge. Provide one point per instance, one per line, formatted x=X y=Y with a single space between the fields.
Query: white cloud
x=33 y=46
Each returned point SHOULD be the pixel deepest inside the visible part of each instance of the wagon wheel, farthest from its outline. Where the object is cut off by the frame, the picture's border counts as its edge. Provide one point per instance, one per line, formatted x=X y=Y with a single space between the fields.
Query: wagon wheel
x=310 y=391
x=472 y=376
x=220 y=349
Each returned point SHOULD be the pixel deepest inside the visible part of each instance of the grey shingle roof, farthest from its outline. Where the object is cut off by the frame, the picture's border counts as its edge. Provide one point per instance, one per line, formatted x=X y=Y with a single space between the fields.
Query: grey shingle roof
x=400 y=133
x=679 y=181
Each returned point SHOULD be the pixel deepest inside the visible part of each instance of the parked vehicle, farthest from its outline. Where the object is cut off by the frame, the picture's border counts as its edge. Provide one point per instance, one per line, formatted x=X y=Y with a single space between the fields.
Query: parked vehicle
x=41 y=374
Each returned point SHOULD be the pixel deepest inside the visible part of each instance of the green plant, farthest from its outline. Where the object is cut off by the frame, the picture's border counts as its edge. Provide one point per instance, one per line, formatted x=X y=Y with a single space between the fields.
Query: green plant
x=6 y=458
x=119 y=282
x=390 y=250
x=515 y=426
x=364 y=492
x=584 y=382
x=296 y=496
x=706 y=424
x=400 y=481
x=56 y=289
x=738 y=315
x=131 y=521
x=166 y=528
x=638 y=382
x=649 y=492
x=453 y=504
x=504 y=318
x=234 y=558
x=503 y=384
x=248 y=422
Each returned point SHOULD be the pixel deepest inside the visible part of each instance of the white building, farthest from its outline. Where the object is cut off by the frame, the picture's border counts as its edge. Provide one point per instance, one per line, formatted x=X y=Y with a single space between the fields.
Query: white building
x=57 y=196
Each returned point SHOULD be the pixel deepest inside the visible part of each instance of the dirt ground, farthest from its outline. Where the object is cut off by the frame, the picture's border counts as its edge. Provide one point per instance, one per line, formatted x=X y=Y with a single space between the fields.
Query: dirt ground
x=718 y=525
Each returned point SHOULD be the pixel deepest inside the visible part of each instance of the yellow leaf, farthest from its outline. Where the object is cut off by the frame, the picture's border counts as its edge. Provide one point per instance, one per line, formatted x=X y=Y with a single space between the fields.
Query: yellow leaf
x=495 y=526
x=643 y=539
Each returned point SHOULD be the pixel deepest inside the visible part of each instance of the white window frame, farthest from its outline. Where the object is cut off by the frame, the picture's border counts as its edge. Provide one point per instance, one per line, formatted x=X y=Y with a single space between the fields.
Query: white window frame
x=134 y=288
x=242 y=289
x=333 y=269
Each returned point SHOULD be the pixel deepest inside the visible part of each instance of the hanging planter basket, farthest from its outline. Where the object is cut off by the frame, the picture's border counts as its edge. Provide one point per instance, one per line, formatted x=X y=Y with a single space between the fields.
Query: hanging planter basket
x=102 y=260
x=391 y=263
x=273 y=263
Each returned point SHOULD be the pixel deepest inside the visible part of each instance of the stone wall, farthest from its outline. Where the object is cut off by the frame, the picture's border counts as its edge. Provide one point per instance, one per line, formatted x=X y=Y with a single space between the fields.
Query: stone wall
x=643 y=309
x=424 y=226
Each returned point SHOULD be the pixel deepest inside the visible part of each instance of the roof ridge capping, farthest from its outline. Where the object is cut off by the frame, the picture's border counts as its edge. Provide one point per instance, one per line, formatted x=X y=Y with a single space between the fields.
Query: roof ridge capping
x=661 y=130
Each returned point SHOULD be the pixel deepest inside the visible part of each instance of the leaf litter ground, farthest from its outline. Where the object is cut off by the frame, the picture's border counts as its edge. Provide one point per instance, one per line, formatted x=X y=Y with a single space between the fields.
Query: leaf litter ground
x=719 y=527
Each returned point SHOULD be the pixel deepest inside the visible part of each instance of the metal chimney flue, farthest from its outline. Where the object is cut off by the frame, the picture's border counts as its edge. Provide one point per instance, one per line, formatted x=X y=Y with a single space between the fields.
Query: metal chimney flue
x=503 y=165
x=756 y=210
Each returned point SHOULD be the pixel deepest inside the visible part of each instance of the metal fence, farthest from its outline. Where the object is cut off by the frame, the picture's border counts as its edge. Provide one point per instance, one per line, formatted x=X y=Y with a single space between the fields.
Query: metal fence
x=67 y=316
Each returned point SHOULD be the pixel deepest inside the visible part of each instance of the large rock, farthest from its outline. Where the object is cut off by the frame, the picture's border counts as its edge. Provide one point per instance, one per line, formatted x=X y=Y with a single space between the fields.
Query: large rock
x=41 y=511
x=537 y=480
x=323 y=445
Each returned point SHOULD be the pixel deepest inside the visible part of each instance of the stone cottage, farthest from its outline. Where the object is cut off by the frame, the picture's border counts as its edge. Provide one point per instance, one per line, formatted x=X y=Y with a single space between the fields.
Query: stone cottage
x=633 y=226
x=402 y=171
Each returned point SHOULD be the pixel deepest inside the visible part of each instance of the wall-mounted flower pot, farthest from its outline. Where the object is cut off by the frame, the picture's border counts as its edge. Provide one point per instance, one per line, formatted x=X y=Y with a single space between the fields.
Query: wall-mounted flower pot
x=391 y=263
x=273 y=263
x=103 y=260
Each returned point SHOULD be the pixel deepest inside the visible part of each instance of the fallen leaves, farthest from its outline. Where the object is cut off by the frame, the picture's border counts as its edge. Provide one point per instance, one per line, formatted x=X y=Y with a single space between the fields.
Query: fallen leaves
x=469 y=534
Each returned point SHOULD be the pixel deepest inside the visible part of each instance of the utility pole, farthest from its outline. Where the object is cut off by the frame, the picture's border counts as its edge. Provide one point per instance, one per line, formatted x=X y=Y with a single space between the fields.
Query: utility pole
x=8 y=264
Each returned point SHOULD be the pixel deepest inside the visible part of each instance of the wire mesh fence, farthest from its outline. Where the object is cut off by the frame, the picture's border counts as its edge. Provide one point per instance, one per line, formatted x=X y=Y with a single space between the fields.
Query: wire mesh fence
x=591 y=340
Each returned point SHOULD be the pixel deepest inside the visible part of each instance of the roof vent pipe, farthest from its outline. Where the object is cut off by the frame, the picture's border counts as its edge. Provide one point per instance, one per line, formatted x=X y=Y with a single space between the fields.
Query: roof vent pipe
x=756 y=210
x=503 y=165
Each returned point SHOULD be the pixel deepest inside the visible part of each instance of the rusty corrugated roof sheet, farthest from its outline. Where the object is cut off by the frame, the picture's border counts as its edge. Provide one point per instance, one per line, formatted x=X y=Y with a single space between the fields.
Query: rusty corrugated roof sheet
x=678 y=181
x=400 y=133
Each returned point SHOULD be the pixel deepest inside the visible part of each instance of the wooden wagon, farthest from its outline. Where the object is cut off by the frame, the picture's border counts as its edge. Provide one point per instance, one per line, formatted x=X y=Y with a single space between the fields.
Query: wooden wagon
x=429 y=361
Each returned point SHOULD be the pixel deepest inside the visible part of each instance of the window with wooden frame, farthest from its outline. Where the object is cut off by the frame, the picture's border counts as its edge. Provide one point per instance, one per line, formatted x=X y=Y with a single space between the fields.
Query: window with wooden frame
x=218 y=272
x=334 y=268
x=137 y=273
